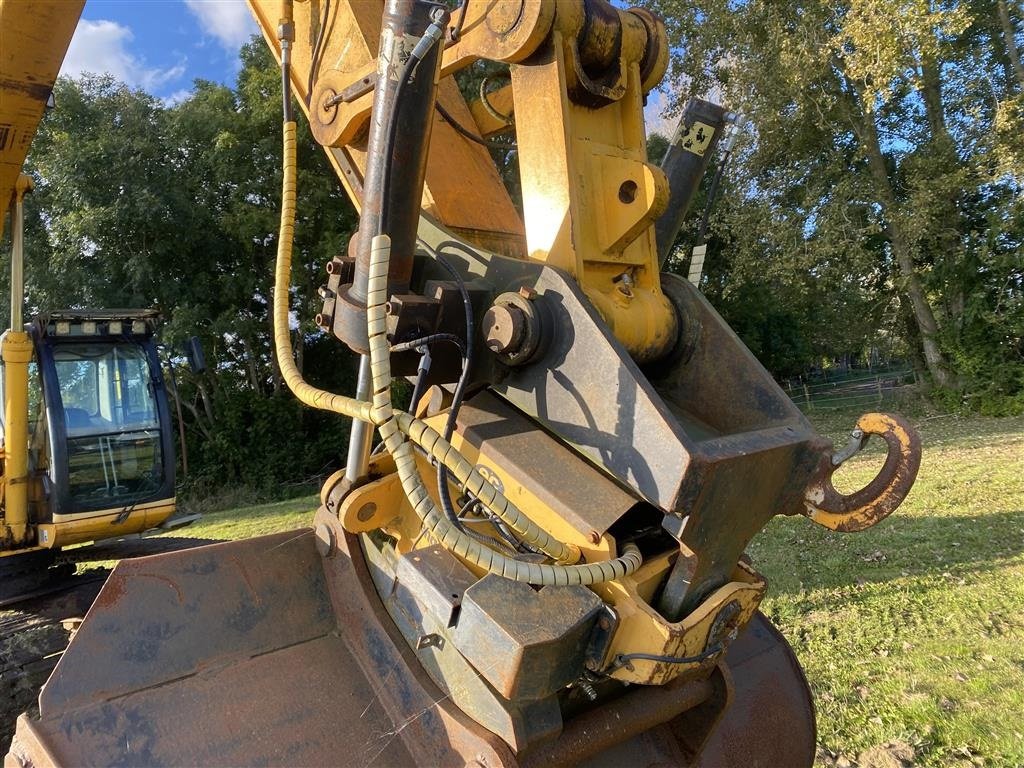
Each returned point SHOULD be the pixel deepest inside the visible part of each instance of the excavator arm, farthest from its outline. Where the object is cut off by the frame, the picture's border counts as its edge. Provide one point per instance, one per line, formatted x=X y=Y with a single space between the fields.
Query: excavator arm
x=544 y=562
x=34 y=37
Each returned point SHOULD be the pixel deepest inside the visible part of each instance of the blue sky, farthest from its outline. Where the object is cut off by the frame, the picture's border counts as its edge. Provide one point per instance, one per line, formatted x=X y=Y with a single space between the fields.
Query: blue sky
x=161 y=46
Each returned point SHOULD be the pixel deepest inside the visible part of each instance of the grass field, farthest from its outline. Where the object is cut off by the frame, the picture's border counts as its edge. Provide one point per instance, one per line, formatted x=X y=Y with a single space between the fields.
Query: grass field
x=912 y=633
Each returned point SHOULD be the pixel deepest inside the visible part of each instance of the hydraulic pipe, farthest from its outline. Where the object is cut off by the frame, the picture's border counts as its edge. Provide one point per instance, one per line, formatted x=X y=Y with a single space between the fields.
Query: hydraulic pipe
x=16 y=351
x=23 y=187
x=684 y=164
x=361 y=435
x=404 y=24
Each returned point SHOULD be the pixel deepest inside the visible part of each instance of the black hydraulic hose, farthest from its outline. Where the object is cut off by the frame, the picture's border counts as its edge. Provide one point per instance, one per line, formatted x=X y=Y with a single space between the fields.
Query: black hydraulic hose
x=421 y=379
x=716 y=180
x=389 y=149
x=460 y=389
x=408 y=71
x=457 y=29
x=424 y=366
x=314 y=63
x=405 y=346
x=463 y=131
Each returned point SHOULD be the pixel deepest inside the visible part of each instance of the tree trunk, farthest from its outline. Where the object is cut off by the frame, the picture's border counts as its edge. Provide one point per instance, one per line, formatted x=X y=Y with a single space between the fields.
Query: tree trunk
x=204 y=397
x=1011 y=42
x=931 y=94
x=924 y=316
x=197 y=419
x=950 y=225
x=250 y=363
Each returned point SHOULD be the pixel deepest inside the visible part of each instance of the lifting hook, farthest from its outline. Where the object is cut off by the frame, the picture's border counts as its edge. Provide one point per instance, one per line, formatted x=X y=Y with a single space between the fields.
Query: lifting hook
x=879 y=498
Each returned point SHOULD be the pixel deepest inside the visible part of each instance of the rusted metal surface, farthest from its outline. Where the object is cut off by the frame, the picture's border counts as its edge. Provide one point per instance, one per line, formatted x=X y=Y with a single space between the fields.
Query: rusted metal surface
x=258 y=652
x=224 y=655
x=770 y=719
x=414 y=595
x=387 y=205
x=528 y=644
x=434 y=731
x=879 y=498
x=618 y=722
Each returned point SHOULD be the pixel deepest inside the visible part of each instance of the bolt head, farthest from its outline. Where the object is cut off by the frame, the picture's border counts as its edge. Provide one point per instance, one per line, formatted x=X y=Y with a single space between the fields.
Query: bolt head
x=527 y=293
x=504 y=326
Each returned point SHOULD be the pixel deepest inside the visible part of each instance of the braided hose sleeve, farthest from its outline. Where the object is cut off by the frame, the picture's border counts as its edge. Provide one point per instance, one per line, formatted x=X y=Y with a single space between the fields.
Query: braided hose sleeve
x=379 y=411
x=448 y=535
x=468 y=477
x=306 y=393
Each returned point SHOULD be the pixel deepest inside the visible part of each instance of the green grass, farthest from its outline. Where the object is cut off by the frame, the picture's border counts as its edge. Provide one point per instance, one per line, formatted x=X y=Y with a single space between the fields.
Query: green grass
x=911 y=632
x=246 y=522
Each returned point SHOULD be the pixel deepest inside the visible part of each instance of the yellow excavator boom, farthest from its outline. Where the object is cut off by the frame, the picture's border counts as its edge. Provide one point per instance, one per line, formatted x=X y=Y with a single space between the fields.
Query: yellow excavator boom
x=34 y=38
x=573 y=589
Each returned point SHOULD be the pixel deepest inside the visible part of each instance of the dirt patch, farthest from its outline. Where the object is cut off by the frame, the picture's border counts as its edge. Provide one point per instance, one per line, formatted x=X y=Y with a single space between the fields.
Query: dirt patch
x=894 y=754
x=32 y=640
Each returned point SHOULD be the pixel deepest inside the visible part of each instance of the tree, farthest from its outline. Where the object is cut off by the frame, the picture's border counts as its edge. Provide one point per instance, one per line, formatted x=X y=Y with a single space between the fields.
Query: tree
x=871 y=144
x=140 y=204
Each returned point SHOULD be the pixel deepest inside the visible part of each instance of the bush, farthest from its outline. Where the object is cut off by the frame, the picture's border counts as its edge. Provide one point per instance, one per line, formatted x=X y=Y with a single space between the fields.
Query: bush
x=270 y=446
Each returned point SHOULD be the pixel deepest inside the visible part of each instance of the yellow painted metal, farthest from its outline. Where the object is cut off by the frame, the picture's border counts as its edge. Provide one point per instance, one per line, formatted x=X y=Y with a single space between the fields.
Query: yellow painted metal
x=378 y=504
x=16 y=350
x=17 y=354
x=65 y=530
x=462 y=188
x=589 y=195
x=642 y=629
x=33 y=40
x=23 y=550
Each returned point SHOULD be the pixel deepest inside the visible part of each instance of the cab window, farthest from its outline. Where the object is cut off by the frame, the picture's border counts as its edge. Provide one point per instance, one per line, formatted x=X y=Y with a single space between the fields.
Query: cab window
x=112 y=423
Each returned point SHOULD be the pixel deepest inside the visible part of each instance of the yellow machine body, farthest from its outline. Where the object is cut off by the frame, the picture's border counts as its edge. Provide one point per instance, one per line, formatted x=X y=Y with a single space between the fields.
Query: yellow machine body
x=573 y=589
x=34 y=37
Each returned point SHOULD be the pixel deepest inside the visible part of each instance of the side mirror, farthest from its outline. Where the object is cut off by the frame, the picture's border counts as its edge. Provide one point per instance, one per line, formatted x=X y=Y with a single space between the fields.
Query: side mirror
x=194 y=352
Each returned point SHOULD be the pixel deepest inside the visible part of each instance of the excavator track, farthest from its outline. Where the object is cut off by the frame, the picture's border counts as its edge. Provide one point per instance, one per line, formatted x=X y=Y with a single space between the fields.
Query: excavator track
x=37 y=623
x=33 y=635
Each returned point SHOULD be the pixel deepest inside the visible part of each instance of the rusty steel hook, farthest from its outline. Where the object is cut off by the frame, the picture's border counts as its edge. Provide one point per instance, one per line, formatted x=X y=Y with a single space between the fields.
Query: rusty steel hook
x=879 y=498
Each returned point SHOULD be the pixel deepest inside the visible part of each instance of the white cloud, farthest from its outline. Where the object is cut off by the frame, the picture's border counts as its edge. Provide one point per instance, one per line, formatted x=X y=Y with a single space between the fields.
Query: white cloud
x=657 y=103
x=177 y=97
x=101 y=47
x=227 y=20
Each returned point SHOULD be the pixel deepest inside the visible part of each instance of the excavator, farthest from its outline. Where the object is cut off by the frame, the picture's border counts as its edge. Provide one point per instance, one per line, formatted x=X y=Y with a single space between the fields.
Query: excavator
x=87 y=450
x=542 y=560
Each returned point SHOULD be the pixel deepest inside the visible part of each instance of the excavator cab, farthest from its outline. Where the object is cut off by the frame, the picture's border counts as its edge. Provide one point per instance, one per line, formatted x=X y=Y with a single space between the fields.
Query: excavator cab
x=99 y=456
x=109 y=451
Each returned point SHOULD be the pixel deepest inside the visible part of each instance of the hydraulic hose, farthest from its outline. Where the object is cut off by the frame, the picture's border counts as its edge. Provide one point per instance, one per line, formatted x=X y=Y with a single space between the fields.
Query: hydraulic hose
x=306 y=393
x=447 y=534
x=393 y=424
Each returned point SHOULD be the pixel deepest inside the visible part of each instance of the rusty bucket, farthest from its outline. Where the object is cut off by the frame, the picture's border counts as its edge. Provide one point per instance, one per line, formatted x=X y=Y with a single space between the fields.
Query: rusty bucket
x=265 y=652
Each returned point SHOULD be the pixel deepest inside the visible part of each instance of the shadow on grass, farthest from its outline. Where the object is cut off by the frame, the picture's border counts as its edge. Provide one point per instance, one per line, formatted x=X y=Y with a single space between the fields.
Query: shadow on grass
x=794 y=557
